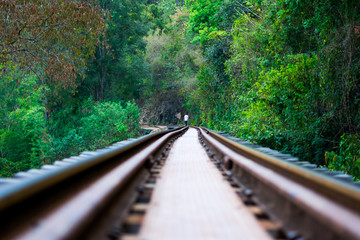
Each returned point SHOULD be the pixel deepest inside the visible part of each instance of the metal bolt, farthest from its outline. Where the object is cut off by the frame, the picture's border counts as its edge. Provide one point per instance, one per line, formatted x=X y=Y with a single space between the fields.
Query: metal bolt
x=140 y=189
x=293 y=235
x=115 y=234
x=248 y=193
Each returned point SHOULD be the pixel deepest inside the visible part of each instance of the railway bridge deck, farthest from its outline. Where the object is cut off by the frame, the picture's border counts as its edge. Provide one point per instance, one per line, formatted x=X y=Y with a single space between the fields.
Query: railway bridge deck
x=193 y=200
x=180 y=183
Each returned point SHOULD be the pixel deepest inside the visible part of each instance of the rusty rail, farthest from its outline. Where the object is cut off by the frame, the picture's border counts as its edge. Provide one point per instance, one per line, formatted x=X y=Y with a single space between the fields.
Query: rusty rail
x=65 y=203
x=315 y=206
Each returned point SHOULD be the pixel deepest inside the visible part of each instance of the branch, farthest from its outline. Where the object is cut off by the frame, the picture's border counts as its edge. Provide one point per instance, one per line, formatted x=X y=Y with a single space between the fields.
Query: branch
x=248 y=9
x=5 y=28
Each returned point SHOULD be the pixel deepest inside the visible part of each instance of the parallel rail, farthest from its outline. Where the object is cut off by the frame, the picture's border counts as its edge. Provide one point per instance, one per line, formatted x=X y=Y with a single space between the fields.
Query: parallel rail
x=313 y=205
x=90 y=197
x=81 y=200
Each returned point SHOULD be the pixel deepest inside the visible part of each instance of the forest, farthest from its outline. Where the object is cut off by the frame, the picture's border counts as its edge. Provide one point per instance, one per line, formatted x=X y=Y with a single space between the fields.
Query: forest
x=78 y=75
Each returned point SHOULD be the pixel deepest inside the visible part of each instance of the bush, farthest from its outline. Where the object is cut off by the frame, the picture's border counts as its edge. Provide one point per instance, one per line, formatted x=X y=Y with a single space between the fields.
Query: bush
x=8 y=168
x=25 y=136
x=347 y=158
x=29 y=141
x=108 y=122
x=69 y=145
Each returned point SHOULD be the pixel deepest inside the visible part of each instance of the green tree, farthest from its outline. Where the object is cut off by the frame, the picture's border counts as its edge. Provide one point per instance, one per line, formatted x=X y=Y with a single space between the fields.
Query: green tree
x=285 y=73
x=24 y=141
x=117 y=70
x=173 y=63
x=210 y=25
x=44 y=51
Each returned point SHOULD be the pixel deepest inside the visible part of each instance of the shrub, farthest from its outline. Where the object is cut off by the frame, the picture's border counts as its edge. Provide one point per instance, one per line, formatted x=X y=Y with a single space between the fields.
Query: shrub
x=108 y=122
x=69 y=145
x=347 y=158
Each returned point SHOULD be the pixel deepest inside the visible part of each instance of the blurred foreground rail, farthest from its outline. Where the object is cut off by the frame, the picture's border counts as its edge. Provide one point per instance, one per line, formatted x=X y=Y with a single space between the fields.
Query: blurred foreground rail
x=205 y=185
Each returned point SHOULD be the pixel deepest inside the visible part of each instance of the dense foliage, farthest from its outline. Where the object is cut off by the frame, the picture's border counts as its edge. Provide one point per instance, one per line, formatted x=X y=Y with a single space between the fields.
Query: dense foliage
x=53 y=56
x=118 y=67
x=78 y=75
x=290 y=79
x=173 y=64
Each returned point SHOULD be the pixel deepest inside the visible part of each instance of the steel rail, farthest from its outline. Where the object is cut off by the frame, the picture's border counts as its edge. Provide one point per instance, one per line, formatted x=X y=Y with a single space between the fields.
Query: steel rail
x=294 y=205
x=70 y=219
x=12 y=194
x=345 y=194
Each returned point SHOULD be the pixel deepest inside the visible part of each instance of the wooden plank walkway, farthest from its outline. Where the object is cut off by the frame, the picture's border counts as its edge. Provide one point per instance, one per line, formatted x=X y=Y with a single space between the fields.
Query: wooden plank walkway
x=192 y=200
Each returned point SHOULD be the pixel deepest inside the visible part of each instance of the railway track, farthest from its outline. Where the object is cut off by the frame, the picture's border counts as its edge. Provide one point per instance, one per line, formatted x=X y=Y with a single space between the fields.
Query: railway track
x=106 y=194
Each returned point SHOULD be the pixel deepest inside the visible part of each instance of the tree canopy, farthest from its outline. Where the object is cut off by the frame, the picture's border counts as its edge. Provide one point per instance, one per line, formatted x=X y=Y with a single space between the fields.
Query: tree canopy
x=52 y=39
x=80 y=74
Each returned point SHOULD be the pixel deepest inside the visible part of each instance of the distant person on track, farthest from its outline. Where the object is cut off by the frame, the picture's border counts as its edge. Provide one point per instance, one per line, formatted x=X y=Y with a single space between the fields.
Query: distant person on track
x=186 y=119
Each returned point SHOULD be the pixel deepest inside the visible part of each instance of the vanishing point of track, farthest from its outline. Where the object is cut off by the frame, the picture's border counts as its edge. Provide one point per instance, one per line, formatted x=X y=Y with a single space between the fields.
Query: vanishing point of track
x=115 y=193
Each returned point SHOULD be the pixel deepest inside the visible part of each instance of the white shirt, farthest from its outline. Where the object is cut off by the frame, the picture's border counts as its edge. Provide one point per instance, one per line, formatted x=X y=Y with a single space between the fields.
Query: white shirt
x=186 y=118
